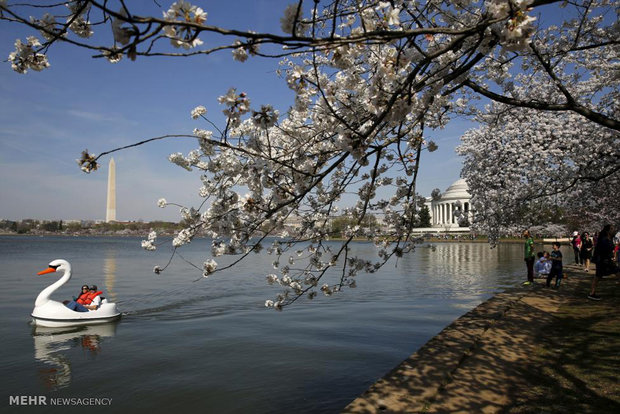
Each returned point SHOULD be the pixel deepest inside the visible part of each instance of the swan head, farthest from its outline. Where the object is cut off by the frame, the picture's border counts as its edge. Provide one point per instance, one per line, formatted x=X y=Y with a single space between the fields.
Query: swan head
x=55 y=266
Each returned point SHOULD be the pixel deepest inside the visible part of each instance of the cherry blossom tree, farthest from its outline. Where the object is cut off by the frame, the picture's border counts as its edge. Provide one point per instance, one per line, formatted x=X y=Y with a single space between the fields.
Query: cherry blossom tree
x=370 y=78
x=530 y=156
x=523 y=163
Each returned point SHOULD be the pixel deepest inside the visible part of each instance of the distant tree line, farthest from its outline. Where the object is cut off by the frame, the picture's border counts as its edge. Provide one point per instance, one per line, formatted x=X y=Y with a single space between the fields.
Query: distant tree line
x=27 y=226
x=339 y=224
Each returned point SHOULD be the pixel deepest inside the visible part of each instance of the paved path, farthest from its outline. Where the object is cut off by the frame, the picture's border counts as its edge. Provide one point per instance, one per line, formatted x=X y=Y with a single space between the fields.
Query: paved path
x=483 y=362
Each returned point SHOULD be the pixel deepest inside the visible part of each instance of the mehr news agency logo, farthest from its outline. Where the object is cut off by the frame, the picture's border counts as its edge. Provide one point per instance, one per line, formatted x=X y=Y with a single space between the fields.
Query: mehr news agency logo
x=66 y=401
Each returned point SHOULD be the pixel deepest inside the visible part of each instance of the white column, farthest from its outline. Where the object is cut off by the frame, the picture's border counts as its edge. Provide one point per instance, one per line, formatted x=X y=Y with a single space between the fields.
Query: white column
x=110 y=214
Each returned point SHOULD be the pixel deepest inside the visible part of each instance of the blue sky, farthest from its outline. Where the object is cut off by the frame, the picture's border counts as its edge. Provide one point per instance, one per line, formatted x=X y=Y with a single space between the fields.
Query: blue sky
x=49 y=117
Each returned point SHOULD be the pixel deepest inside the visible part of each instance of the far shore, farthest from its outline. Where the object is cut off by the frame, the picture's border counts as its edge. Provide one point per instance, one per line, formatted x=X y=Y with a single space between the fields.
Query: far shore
x=138 y=233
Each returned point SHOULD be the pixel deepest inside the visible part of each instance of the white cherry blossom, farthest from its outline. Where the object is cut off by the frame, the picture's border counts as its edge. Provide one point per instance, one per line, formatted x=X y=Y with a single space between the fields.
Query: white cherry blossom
x=198 y=111
x=25 y=56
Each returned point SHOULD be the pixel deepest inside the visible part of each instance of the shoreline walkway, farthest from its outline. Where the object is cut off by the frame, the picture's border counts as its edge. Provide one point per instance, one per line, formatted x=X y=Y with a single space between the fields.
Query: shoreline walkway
x=527 y=350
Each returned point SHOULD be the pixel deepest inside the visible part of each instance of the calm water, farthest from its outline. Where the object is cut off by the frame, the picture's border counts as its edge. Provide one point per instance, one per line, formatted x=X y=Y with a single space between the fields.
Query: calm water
x=211 y=345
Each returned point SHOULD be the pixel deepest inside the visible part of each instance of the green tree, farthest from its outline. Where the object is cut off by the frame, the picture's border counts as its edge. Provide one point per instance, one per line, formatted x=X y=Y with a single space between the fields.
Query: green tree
x=52 y=226
x=73 y=227
x=424 y=217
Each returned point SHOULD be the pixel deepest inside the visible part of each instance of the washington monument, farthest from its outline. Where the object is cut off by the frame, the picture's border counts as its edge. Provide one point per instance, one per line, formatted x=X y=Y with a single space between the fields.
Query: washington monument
x=110 y=214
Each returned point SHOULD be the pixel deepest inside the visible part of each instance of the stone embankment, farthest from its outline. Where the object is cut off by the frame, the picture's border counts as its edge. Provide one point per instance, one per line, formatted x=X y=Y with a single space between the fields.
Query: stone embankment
x=528 y=350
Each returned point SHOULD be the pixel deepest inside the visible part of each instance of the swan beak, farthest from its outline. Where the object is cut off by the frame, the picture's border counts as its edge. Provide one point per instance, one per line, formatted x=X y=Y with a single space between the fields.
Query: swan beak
x=48 y=270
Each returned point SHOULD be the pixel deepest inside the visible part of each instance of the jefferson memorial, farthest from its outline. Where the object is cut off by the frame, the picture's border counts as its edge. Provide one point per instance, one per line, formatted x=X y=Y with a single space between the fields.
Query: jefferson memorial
x=442 y=209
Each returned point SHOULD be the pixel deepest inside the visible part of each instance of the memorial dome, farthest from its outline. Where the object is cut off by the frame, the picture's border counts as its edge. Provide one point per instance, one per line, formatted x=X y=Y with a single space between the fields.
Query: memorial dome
x=458 y=190
x=443 y=209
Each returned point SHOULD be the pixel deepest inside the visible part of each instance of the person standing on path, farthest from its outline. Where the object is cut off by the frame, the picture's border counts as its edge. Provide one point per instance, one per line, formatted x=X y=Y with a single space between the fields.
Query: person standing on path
x=603 y=257
x=528 y=256
x=586 y=250
x=556 y=266
x=576 y=243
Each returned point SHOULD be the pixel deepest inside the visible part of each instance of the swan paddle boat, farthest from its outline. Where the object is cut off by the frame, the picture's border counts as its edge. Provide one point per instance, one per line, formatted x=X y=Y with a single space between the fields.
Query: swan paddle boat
x=53 y=314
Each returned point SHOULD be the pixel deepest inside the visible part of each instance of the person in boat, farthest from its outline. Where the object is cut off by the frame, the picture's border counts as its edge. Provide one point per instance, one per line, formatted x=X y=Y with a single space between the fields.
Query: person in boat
x=88 y=300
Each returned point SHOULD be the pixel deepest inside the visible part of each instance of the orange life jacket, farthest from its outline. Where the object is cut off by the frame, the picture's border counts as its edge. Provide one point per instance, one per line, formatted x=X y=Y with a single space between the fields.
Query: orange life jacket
x=82 y=298
x=88 y=297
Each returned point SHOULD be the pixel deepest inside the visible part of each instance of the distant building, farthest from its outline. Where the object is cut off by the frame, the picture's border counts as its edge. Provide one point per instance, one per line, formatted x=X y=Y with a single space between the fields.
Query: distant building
x=293 y=222
x=442 y=210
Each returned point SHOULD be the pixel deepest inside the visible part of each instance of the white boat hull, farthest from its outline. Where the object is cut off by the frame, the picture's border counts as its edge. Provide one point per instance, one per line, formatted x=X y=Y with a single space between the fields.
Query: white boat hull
x=54 y=314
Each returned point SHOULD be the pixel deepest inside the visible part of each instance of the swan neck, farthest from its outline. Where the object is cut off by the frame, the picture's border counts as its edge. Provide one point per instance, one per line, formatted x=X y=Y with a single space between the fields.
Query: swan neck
x=45 y=294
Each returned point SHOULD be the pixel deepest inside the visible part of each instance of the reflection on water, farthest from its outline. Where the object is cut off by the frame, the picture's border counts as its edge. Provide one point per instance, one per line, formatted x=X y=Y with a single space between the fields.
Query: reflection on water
x=459 y=270
x=109 y=271
x=468 y=268
x=466 y=258
x=51 y=346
